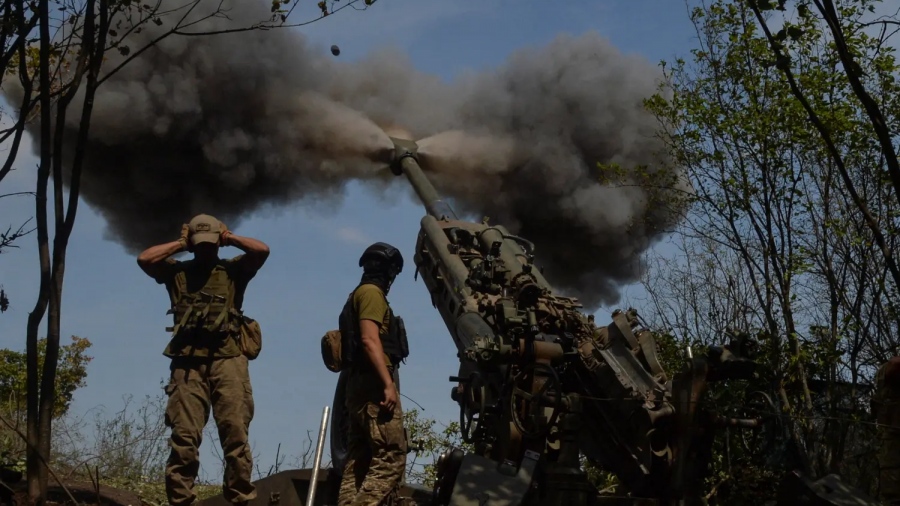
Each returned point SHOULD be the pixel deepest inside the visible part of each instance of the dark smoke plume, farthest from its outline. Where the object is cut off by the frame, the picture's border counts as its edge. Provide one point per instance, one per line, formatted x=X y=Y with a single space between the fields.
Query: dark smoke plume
x=232 y=123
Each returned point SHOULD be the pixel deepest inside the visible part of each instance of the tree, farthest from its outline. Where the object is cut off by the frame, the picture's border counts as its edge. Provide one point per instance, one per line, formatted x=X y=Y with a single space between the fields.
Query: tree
x=430 y=442
x=58 y=76
x=72 y=376
x=777 y=241
x=841 y=22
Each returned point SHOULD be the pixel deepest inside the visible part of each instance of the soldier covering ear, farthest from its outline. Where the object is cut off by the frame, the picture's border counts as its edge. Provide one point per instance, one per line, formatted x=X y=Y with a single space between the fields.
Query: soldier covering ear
x=209 y=352
x=184 y=239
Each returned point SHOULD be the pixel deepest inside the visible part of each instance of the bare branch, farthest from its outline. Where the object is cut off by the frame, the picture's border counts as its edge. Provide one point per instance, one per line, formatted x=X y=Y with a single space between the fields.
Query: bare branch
x=16 y=194
x=9 y=237
x=179 y=28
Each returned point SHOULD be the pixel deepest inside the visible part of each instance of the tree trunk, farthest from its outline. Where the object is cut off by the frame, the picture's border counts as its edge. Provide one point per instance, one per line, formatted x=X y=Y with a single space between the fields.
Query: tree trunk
x=35 y=467
x=51 y=292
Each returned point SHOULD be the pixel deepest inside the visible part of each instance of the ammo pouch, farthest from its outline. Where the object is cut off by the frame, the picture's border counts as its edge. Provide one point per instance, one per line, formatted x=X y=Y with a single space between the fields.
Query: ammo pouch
x=331 y=351
x=398 y=329
x=394 y=340
x=250 y=339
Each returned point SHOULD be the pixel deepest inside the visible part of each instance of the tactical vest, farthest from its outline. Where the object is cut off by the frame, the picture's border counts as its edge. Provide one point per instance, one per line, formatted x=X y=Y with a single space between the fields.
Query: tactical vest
x=210 y=309
x=394 y=341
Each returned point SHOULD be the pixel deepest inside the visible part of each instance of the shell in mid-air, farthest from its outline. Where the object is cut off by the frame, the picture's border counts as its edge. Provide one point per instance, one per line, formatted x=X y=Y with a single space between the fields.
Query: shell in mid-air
x=335 y=50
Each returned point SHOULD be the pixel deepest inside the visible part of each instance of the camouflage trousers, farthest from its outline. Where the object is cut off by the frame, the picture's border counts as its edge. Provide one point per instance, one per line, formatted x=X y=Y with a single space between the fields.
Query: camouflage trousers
x=376 y=446
x=195 y=386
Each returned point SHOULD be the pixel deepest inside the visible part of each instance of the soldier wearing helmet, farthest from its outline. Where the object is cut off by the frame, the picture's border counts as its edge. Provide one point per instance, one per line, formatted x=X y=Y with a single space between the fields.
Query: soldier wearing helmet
x=373 y=344
x=209 y=348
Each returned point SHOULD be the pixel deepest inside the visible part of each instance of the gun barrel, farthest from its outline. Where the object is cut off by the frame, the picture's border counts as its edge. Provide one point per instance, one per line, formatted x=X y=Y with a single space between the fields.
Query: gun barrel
x=406 y=162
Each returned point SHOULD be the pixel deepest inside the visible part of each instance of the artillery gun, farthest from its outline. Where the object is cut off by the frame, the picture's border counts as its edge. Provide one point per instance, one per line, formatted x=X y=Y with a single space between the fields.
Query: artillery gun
x=539 y=383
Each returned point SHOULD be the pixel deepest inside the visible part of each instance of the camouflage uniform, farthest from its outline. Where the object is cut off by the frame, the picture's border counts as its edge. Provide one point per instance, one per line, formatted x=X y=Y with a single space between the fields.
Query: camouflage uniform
x=886 y=406
x=376 y=442
x=194 y=387
x=208 y=371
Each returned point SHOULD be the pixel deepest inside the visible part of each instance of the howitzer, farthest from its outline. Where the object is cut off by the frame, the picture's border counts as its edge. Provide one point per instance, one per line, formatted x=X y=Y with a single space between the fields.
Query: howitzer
x=539 y=383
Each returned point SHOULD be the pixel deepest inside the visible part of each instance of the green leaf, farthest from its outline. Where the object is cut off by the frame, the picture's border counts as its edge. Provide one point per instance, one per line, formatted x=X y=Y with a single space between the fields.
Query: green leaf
x=794 y=32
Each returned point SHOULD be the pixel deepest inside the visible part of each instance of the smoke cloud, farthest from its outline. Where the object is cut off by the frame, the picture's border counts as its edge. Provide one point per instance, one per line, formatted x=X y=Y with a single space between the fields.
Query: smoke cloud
x=233 y=123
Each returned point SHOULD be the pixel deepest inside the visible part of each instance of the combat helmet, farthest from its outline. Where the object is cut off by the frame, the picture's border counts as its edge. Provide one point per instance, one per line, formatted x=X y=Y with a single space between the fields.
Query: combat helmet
x=382 y=257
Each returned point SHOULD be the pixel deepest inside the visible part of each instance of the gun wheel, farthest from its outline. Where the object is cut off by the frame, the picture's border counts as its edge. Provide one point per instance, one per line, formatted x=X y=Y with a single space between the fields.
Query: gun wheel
x=527 y=404
x=447 y=470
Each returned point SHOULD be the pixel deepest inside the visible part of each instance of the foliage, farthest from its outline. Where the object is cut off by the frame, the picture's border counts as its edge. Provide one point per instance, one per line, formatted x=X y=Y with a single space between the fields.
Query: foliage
x=72 y=375
x=430 y=441
x=126 y=448
x=792 y=230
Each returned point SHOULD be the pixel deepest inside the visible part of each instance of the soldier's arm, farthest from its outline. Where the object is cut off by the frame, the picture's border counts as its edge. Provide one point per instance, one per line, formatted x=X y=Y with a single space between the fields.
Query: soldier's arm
x=153 y=259
x=372 y=344
x=255 y=251
x=371 y=308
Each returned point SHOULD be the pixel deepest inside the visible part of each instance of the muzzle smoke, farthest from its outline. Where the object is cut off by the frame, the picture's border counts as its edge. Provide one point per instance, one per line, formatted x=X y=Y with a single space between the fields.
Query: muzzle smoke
x=231 y=123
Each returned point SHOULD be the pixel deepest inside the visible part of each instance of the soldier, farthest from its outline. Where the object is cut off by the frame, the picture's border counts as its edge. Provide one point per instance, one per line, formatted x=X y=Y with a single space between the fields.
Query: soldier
x=373 y=343
x=886 y=407
x=209 y=367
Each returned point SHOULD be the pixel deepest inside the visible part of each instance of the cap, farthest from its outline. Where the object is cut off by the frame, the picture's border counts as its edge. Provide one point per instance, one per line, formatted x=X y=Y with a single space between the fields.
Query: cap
x=205 y=228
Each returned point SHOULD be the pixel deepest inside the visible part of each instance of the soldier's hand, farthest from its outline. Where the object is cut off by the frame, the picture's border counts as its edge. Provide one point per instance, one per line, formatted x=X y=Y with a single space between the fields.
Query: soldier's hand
x=224 y=234
x=390 y=398
x=185 y=237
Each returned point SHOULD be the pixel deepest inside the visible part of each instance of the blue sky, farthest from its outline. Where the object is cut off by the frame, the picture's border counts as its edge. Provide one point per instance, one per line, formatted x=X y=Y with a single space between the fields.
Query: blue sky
x=299 y=292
